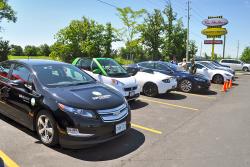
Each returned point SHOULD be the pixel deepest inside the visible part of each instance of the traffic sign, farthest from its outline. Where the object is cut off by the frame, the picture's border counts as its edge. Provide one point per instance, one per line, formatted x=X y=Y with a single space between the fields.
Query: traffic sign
x=218 y=42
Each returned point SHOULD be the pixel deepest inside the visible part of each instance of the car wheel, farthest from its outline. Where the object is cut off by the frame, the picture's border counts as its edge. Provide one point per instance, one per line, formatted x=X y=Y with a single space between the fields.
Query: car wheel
x=218 y=79
x=46 y=128
x=150 y=89
x=186 y=86
x=245 y=69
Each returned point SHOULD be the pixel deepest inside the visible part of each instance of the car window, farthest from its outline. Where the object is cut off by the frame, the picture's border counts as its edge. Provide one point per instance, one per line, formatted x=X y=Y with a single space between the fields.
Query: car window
x=20 y=72
x=198 y=66
x=4 y=69
x=147 y=65
x=161 y=67
x=94 y=66
x=61 y=75
x=84 y=63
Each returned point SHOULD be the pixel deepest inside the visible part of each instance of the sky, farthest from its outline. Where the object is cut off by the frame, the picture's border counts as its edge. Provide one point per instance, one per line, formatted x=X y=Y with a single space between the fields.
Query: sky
x=39 y=20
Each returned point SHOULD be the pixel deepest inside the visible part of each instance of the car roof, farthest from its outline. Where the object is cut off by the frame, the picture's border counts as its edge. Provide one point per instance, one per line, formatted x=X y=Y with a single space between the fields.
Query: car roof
x=31 y=62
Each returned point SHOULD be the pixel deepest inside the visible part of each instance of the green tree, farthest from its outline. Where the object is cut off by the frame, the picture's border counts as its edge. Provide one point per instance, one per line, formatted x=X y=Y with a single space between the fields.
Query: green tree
x=44 y=50
x=4 y=50
x=6 y=12
x=192 y=49
x=130 y=31
x=245 y=56
x=151 y=34
x=108 y=39
x=16 y=50
x=30 y=50
x=175 y=35
x=83 y=38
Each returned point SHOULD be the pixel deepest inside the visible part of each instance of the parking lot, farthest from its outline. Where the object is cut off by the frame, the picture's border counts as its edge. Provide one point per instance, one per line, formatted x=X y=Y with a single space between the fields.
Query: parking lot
x=176 y=130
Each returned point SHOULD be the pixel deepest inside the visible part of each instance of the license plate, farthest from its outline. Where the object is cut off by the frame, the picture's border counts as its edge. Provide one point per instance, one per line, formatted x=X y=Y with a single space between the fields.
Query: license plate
x=132 y=93
x=120 y=127
x=173 y=87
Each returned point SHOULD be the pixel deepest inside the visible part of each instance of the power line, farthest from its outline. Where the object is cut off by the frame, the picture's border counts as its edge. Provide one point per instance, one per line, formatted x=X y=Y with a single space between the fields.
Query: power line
x=109 y=4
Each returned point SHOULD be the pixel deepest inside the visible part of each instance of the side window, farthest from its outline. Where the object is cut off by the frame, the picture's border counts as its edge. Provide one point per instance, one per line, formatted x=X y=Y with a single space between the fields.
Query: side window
x=237 y=62
x=4 y=69
x=20 y=73
x=84 y=63
x=94 y=66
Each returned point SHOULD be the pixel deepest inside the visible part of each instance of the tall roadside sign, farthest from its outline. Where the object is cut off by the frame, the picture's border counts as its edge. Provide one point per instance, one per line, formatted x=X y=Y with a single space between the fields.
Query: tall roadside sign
x=215 y=30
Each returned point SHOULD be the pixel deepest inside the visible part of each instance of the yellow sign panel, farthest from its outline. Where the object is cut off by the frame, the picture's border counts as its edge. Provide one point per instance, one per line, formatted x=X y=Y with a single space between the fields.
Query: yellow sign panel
x=214 y=31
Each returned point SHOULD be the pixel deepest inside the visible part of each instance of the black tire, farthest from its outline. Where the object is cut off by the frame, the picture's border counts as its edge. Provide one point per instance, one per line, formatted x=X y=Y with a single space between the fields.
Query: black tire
x=246 y=69
x=51 y=124
x=186 y=86
x=218 y=79
x=150 y=89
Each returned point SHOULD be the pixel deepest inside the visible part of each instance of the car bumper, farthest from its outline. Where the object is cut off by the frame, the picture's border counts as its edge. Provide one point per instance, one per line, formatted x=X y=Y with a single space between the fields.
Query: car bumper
x=202 y=85
x=91 y=132
x=167 y=87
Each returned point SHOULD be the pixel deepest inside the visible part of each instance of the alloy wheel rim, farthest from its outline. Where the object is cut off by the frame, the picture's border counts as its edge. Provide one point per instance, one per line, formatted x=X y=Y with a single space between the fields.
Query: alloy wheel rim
x=150 y=90
x=218 y=79
x=45 y=129
x=186 y=86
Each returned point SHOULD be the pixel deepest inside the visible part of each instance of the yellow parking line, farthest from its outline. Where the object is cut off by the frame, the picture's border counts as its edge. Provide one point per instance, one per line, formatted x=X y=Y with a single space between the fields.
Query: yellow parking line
x=173 y=105
x=7 y=161
x=147 y=129
x=191 y=94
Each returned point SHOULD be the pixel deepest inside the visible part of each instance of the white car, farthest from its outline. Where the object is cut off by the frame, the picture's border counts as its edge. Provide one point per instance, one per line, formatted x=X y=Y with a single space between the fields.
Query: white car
x=109 y=72
x=236 y=64
x=215 y=75
x=218 y=66
x=153 y=83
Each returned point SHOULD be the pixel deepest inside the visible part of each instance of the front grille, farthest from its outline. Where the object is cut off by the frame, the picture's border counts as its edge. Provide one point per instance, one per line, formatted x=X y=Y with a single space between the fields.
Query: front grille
x=114 y=114
x=130 y=89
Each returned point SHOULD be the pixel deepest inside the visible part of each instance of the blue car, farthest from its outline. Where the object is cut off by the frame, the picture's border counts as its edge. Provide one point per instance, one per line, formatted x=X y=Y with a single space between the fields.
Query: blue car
x=186 y=82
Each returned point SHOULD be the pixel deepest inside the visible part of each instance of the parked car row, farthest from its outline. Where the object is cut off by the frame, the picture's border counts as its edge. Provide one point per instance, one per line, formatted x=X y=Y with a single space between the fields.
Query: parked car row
x=85 y=103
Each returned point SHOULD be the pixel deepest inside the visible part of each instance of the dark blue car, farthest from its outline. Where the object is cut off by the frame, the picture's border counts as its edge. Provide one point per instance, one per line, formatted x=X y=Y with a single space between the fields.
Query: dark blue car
x=186 y=82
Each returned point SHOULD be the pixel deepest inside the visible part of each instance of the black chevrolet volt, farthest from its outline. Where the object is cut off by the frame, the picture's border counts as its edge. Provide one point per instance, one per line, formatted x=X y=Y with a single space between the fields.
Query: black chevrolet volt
x=63 y=104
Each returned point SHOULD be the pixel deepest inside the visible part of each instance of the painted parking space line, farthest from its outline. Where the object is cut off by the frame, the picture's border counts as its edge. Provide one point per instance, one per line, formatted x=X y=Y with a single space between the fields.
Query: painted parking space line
x=169 y=104
x=192 y=94
x=145 y=128
x=7 y=160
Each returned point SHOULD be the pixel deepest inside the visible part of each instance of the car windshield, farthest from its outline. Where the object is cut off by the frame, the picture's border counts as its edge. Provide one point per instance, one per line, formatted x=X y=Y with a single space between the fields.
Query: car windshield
x=173 y=67
x=208 y=65
x=112 y=68
x=53 y=75
x=216 y=64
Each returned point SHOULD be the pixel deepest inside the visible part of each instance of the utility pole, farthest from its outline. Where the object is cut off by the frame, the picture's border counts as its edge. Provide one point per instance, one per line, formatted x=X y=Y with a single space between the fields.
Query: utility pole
x=224 y=46
x=238 y=47
x=201 y=50
x=188 y=20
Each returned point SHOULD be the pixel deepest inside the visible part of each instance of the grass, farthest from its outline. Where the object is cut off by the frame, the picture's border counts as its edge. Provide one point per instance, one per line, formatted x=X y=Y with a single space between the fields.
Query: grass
x=10 y=57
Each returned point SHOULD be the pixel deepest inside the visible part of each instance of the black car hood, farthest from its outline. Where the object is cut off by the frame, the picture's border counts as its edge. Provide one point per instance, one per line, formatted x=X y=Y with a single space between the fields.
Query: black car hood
x=93 y=96
x=185 y=74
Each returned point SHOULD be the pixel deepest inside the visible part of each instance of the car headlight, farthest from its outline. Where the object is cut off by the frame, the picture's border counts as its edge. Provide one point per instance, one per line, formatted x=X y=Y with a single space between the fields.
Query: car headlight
x=166 y=80
x=199 y=79
x=228 y=75
x=117 y=83
x=77 y=111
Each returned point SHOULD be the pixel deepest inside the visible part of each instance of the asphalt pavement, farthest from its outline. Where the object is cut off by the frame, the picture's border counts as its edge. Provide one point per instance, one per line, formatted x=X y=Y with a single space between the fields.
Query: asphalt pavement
x=175 y=130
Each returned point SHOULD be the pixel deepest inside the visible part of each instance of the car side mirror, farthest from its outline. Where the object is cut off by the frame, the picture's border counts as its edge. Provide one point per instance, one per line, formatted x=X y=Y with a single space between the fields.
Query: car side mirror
x=17 y=83
x=97 y=71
